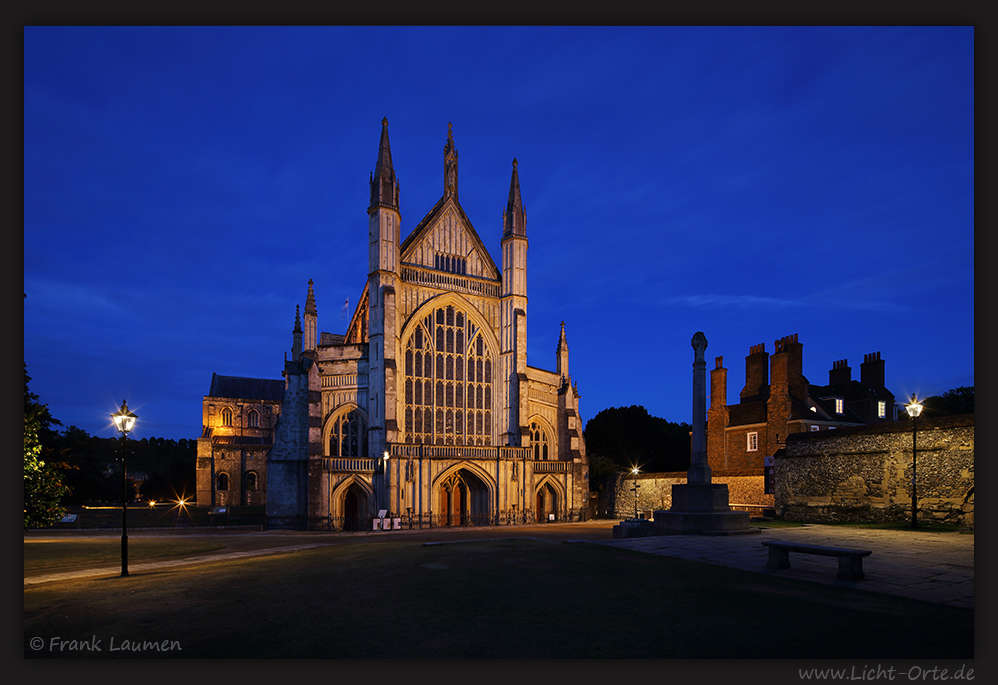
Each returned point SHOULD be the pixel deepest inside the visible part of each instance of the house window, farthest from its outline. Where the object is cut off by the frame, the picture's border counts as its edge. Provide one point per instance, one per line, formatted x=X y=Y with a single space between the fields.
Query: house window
x=882 y=409
x=253 y=420
x=839 y=405
x=753 y=442
x=251 y=481
x=223 y=481
x=226 y=417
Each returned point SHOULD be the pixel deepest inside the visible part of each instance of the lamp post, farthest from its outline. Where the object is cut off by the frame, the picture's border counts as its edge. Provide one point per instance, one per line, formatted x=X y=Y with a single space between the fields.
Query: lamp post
x=914 y=408
x=634 y=488
x=124 y=421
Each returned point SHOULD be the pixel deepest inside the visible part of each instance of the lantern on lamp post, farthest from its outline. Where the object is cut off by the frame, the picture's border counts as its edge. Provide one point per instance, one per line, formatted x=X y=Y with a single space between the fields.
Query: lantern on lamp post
x=634 y=488
x=914 y=408
x=124 y=421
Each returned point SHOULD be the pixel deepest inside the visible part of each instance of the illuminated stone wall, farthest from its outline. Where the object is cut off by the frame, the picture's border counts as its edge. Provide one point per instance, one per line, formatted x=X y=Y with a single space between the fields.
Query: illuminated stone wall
x=655 y=492
x=864 y=473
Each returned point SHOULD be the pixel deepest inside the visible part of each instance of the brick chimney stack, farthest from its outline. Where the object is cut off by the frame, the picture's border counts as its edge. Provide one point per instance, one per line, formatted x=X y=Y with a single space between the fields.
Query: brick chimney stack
x=840 y=373
x=871 y=371
x=756 y=373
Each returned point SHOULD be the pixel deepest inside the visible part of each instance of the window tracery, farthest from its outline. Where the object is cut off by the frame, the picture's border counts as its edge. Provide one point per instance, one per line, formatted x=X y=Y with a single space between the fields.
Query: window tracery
x=448 y=381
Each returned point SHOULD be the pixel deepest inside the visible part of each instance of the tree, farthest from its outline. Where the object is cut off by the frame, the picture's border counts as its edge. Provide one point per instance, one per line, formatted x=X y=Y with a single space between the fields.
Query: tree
x=621 y=438
x=43 y=485
x=956 y=401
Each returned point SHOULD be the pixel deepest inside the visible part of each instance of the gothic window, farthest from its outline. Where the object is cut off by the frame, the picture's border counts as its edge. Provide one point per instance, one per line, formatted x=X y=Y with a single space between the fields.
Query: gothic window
x=223 y=481
x=448 y=381
x=251 y=481
x=226 y=417
x=538 y=441
x=253 y=420
x=348 y=435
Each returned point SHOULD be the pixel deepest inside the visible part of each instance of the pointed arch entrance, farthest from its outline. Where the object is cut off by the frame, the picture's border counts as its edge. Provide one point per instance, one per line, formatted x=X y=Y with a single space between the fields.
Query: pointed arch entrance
x=463 y=499
x=548 y=500
x=351 y=505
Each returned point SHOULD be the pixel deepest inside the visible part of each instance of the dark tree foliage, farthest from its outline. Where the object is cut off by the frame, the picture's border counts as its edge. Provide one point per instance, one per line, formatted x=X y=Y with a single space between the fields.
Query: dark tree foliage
x=44 y=488
x=164 y=469
x=621 y=438
x=950 y=403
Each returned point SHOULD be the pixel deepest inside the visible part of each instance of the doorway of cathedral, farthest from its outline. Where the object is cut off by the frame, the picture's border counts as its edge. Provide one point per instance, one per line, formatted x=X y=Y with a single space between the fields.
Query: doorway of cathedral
x=547 y=503
x=463 y=500
x=354 y=509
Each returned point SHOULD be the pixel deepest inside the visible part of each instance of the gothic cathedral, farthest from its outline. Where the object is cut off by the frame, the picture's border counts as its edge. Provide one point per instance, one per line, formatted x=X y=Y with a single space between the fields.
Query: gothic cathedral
x=425 y=412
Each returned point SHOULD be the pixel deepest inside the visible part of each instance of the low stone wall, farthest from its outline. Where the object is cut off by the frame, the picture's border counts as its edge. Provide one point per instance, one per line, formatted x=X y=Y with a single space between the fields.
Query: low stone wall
x=864 y=474
x=655 y=492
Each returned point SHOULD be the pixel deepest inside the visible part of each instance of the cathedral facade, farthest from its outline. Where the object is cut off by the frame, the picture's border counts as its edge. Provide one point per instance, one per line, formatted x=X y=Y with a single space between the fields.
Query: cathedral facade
x=425 y=411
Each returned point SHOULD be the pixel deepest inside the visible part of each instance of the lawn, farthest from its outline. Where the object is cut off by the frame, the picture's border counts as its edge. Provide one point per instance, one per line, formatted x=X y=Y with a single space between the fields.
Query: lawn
x=60 y=555
x=511 y=598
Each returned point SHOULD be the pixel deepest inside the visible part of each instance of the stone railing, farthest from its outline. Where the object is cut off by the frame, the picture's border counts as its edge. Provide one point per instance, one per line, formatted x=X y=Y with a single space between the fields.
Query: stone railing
x=448 y=281
x=347 y=464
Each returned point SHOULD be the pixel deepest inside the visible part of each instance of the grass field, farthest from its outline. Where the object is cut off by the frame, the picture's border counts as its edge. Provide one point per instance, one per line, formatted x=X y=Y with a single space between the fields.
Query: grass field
x=511 y=598
x=60 y=555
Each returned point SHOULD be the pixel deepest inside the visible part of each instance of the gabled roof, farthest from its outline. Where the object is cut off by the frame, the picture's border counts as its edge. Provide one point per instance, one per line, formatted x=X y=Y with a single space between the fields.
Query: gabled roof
x=746 y=413
x=430 y=220
x=239 y=387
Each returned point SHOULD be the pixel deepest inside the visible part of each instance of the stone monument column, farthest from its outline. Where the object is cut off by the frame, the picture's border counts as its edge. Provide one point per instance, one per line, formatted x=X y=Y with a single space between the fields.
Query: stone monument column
x=700 y=506
x=699 y=471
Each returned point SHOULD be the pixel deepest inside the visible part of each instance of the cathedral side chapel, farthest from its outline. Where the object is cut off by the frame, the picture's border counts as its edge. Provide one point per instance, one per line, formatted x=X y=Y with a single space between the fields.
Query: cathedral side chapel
x=425 y=409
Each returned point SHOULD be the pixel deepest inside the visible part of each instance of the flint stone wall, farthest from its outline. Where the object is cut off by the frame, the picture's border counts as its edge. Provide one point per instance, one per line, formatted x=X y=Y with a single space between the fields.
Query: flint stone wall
x=655 y=492
x=864 y=473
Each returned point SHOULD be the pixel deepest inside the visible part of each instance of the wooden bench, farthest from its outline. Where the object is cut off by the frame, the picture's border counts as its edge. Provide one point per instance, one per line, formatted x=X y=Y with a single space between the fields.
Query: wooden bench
x=850 y=560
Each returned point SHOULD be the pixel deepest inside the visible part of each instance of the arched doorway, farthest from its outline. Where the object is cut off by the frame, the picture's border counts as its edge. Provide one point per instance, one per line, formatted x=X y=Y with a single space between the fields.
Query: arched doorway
x=350 y=506
x=351 y=510
x=547 y=503
x=463 y=500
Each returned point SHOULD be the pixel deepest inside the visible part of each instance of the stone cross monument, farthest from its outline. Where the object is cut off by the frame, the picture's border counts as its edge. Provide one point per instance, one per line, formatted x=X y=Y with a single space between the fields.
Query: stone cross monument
x=700 y=506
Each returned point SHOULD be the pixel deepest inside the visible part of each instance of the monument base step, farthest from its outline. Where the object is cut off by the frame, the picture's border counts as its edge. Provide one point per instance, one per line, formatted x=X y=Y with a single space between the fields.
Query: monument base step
x=702 y=523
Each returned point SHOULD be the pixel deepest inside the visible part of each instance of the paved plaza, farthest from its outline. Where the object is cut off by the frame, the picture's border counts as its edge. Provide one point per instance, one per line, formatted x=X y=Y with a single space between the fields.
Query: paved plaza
x=928 y=566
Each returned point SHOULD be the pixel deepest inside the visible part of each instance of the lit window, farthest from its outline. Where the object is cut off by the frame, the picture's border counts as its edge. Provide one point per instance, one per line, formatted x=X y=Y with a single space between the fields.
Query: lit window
x=839 y=405
x=882 y=410
x=814 y=429
x=226 y=417
x=753 y=442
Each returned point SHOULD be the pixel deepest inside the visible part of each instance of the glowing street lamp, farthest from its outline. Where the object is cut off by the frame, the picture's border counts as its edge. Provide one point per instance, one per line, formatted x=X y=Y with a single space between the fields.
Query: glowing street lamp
x=914 y=408
x=634 y=488
x=124 y=421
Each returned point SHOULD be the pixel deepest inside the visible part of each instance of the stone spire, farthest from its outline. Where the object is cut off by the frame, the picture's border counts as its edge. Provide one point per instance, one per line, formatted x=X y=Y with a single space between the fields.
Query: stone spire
x=450 y=165
x=310 y=301
x=563 y=354
x=514 y=219
x=311 y=319
x=384 y=186
x=296 y=345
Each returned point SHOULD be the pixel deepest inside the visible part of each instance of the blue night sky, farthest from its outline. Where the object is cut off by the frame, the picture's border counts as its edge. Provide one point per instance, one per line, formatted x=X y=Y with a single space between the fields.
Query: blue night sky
x=182 y=185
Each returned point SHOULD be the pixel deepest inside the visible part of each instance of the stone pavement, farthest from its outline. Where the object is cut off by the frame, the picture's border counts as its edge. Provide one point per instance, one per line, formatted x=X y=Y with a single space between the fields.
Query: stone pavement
x=929 y=566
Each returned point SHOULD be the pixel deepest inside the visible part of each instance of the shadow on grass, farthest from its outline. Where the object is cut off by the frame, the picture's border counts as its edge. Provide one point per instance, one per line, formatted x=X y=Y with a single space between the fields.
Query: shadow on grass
x=496 y=599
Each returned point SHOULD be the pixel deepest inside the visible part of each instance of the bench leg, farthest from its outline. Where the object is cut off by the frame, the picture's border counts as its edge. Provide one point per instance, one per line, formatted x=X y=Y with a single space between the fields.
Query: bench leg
x=778 y=558
x=850 y=568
